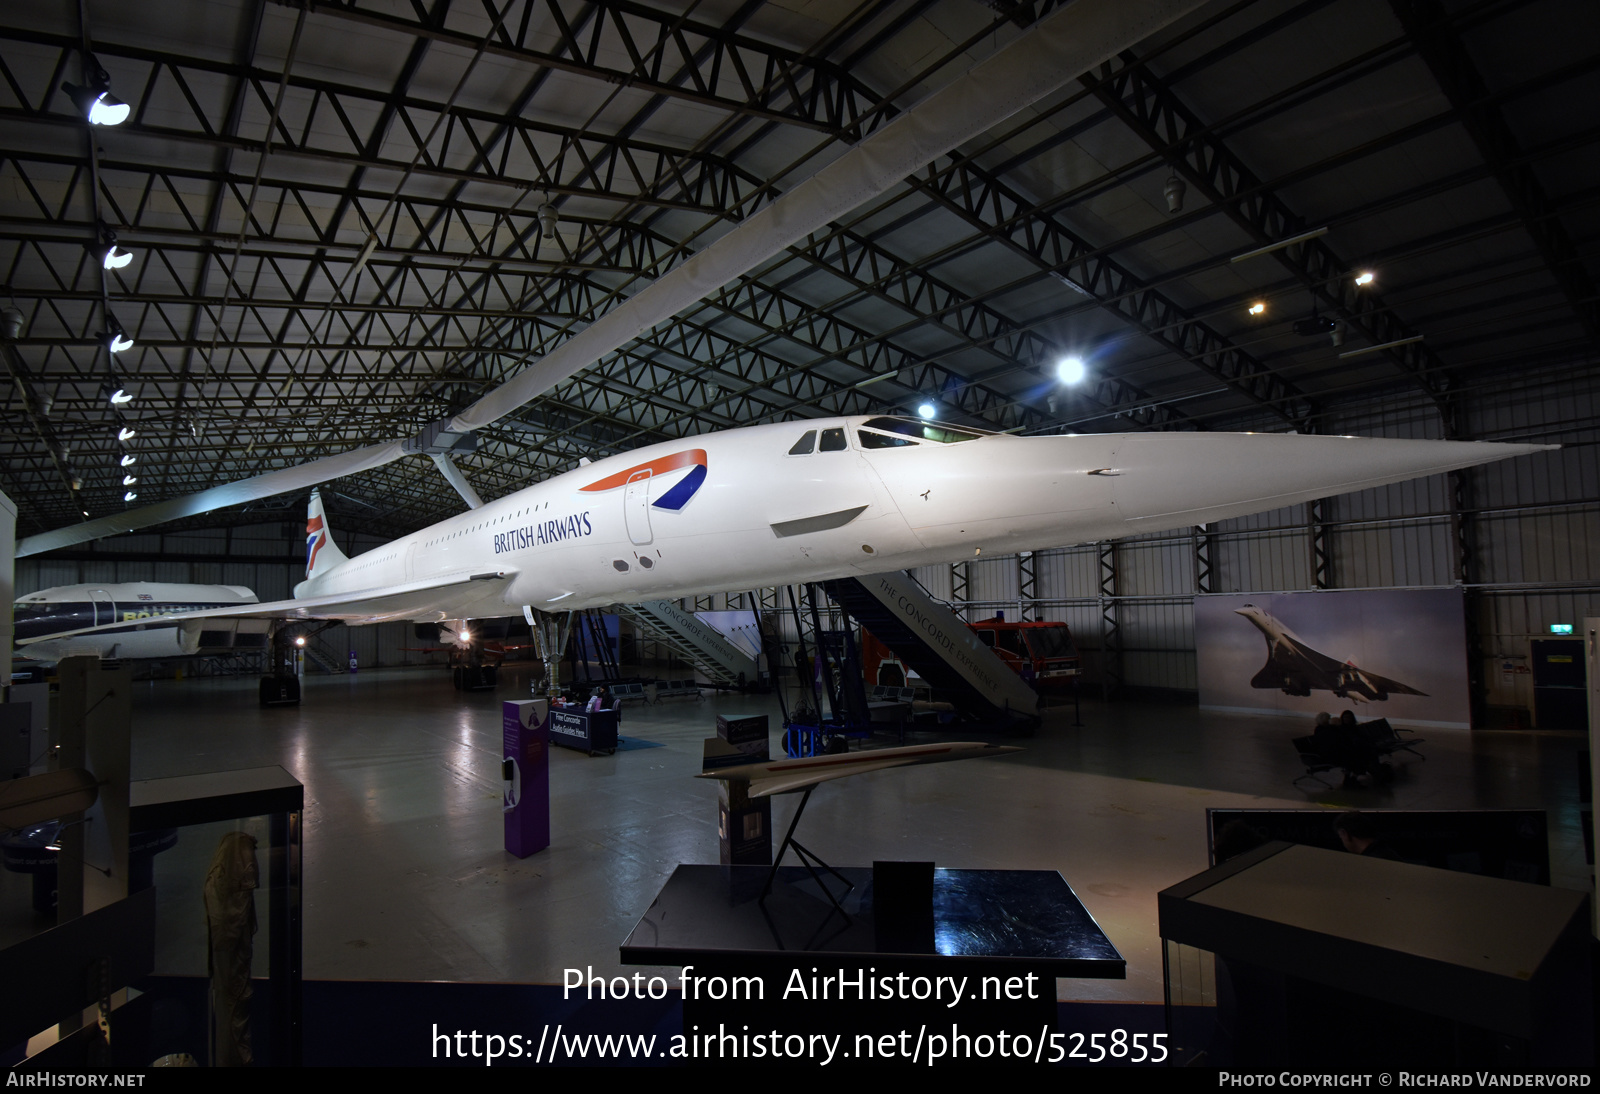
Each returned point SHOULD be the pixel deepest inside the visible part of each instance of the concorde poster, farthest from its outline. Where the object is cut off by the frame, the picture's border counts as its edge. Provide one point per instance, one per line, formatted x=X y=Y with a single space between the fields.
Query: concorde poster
x=1384 y=653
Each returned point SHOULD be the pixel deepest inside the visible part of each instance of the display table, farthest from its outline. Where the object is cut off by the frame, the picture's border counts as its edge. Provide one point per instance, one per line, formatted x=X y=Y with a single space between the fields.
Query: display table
x=1028 y=918
x=794 y=961
x=584 y=731
x=1330 y=956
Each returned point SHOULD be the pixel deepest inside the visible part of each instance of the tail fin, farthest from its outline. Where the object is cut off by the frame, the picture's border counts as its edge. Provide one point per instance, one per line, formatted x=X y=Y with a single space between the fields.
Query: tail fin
x=321 y=553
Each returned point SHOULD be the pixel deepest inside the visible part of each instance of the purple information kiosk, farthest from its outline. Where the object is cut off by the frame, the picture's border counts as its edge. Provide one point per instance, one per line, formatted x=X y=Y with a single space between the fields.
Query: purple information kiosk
x=526 y=769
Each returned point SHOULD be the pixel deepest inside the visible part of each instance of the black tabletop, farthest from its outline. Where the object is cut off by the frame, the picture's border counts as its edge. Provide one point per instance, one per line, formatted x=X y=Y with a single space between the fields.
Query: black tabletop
x=1030 y=918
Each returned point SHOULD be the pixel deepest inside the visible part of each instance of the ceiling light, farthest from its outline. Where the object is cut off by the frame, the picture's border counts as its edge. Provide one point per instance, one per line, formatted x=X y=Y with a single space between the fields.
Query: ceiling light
x=1173 y=192
x=128 y=480
x=116 y=340
x=111 y=257
x=300 y=640
x=95 y=101
x=927 y=410
x=1071 y=370
x=1257 y=308
x=129 y=496
x=125 y=433
x=465 y=636
x=100 y=107
x=1314 y=326
x=120 y=397
x=1364 y=278
x=129 y=461
x=547 y=220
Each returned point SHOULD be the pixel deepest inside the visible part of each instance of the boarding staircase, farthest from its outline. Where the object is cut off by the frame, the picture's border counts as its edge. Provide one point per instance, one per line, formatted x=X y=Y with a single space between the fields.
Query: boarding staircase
x=937 y=644
x=698 y=643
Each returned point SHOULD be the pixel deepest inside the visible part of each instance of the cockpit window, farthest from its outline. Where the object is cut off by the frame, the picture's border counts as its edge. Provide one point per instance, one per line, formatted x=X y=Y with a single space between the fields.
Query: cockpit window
x=833 y=440
x=869 y=439
x=921 y=431
x=805 y=444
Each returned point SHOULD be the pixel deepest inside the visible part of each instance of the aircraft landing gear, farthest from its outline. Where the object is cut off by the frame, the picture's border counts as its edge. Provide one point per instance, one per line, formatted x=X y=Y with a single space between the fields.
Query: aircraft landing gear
x=470 y=670
x=473 y=677
x=550 y=632
x=282 y=687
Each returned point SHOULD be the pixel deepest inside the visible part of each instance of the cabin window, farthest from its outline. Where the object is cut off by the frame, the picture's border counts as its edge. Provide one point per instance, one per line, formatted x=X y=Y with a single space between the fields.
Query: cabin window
x=833 y=440
x=805 y=445
x=869 y=439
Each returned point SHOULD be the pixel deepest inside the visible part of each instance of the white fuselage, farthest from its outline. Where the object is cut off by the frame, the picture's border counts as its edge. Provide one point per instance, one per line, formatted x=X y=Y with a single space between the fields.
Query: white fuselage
x=743 y=509
x=137 y=607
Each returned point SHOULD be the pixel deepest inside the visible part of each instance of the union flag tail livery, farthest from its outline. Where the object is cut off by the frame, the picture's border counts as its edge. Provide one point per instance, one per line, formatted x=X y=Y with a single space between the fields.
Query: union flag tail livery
x=322 y=554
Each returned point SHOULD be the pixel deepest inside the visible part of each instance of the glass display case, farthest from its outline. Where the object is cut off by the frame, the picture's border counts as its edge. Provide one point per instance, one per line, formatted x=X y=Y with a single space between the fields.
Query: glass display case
x=225 y=864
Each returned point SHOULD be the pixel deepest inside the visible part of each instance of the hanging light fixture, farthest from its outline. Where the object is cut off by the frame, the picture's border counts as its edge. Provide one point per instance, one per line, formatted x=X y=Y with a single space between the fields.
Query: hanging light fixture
x=130 y=495
x=1071 y=370
x=120 y=397
x=129 y=480
x=117 y=341
x=547 y=219
x=94 y=100
x=1173 y=191
x=125 y=433
x=129 y=460
x=111 y=257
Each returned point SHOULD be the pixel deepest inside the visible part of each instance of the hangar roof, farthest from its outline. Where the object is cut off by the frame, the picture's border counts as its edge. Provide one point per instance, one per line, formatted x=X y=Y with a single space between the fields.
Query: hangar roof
x=334 y=215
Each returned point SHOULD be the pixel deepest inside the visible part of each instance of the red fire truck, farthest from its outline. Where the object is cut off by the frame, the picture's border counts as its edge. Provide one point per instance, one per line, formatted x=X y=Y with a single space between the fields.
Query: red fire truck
x=1041 y=653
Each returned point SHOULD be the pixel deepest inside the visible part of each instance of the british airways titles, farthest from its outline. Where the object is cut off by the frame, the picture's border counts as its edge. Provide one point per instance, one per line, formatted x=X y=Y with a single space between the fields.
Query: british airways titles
x=545 y=532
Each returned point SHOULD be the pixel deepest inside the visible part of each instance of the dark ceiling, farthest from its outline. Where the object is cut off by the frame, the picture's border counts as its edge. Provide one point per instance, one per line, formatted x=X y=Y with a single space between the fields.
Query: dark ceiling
x=333 y=214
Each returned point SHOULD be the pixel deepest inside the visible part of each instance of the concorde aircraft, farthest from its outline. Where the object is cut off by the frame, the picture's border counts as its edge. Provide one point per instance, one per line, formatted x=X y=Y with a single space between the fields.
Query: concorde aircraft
x=133 y=619
x=1297 y=669
x=811 y=500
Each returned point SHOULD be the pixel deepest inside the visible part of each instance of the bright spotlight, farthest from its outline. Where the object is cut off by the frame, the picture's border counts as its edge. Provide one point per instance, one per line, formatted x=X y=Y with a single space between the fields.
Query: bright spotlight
x=120 y=397
x=98 y=104
x=300 y=640
x=120 y=342
x=1071 y=370
x=129 y=461
x=129 y=480
x=1257 y=308
x=927 y=410
x=125 y=433
x=465 y=636
x=129 y=496
x=1364 y=278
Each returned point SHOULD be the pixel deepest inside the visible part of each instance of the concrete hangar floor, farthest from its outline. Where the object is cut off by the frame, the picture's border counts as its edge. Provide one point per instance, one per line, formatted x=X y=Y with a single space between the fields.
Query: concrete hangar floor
x=406 y=878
